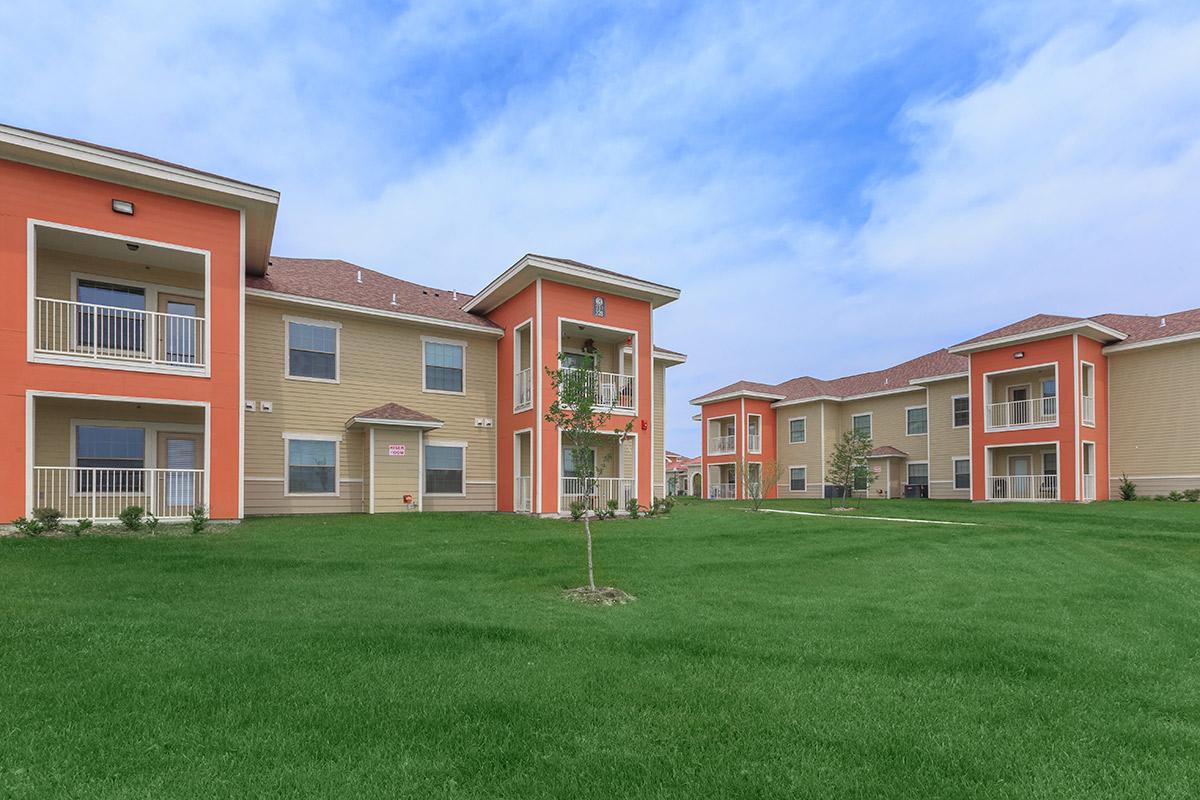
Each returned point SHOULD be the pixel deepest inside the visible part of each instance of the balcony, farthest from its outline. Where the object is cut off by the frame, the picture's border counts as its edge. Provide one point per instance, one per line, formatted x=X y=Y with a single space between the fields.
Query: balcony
x=604 y=489
x=1023 y=487
x=721 y=445
x=722 y=491
x=1037 y=412
x=110 y=333
x=523 y=390
x=611 y=391
x=754 y=442
x=101 y=494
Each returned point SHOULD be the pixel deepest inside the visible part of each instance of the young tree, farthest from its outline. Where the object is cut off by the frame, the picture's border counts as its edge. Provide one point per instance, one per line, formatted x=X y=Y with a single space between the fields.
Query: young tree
x=577 y=414
x=758 y=478
x=848 y=463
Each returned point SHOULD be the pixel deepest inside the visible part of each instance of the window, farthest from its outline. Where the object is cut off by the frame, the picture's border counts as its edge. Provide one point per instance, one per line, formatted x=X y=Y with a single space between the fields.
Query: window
x=753 y=432
x=796 y=430
x=116 y=457
x=799 y=479
x=312 y=466
x=919 y=474
x=444 y=366
x=962 y=411
x=570 y=469
x=1049 y=463
x=862 y=424
x=918 y=420
x=312 y=350
x=119 y=323
x=962 y=473
x=1049 y=387
x=860 y=478
x=444 y=469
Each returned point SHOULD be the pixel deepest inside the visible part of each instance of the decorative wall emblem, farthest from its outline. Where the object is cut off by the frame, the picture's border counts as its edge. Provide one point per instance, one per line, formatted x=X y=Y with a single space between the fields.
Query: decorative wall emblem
x=597 y=306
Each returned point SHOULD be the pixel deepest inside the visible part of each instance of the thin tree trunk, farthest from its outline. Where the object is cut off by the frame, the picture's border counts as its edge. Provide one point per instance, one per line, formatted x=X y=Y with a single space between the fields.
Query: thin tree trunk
x=587 y=534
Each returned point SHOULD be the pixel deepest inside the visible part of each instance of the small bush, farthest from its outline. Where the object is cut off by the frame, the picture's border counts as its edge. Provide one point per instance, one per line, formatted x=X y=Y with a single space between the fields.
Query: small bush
x=1175 y=496
x=1160 y=497
x=610 y=508
x=29 y=527
x=1128 y=488
x=81 y=526
x=49 y=517
x=199 y=519
x=654 y=507
x=1191 y=495
x=150 y=523
x=632 y=507
x=667 y=504
x=131 y=517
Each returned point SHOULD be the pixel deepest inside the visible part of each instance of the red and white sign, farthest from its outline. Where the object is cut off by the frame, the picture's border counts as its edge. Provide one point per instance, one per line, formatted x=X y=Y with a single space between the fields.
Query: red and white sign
x=876 y=469
x=395 y=449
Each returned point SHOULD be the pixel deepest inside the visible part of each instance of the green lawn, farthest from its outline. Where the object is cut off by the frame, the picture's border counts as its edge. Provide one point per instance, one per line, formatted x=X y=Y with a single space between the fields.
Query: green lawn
x=1052 y=652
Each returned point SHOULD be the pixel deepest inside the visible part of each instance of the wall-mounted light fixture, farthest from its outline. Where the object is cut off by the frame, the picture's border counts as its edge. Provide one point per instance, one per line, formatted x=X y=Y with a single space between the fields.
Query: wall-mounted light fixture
x=1019 y=354
x=122 y=207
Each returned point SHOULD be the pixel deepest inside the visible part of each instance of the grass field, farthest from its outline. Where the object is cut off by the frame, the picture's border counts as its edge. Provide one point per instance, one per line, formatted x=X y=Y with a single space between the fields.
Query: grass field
x=1051 y=652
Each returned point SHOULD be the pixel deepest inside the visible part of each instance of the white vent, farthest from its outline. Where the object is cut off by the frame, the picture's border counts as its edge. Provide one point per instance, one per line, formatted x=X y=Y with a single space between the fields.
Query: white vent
x=1162 y=323
x=359 y=276
x=456 y=294
x=265 y=405
x=394 y=298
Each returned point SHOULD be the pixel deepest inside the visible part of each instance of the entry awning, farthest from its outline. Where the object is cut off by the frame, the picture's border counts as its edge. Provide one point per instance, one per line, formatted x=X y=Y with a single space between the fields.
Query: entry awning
x=887 y=451
x=396 y=415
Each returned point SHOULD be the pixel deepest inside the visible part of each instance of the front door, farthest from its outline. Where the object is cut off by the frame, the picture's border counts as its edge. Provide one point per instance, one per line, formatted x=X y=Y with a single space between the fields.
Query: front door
x=179 y=333
x=178 y=455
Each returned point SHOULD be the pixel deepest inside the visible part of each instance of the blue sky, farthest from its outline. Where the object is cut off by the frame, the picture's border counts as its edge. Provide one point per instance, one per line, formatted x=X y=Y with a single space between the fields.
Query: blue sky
x=835 y=186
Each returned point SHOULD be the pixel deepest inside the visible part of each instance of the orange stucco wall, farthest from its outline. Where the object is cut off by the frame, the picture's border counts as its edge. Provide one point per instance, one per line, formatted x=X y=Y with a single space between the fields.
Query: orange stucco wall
x=1091 y=351
x=34 y=193
x=510 y=315
x=740 y=409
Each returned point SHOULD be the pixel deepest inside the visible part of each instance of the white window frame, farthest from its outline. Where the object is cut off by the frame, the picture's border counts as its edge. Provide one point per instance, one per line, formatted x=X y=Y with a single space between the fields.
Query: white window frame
x=953 y=398
x=288 y=438
x=562 y=458
x=1092 y=368
x=954 y=474
x=908 y=471
x=760 y=433
x=803 y=439
x=287 y=348
x=439 y=443
x=870 y=419
x=798 y=466
x=906 y=420
x=425 y=388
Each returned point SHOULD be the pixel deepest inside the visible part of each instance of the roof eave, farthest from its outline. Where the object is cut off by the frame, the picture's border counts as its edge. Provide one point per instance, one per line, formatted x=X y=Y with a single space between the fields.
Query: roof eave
x=1093 y=330
x=512 y=280
x=397 y=423
x=1123 y=346
x=399 y=316
x=704 y=400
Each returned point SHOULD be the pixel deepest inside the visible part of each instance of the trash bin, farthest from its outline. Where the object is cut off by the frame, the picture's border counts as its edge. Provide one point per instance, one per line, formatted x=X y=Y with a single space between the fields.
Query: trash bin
x=916 y=490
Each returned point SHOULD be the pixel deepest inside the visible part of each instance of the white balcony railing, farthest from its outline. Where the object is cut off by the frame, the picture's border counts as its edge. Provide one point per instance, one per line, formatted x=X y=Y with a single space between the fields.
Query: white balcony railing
x=754 y=442
x=610 y=390
x=604 y=489
x=1023 y=413
x=1023 y=487
x=524 y=499
x=1087 y=409
x=523 y=389
x=722 y=491
x=109 y=333
x=1089 y=488
x=102 y=494
x=720 y=445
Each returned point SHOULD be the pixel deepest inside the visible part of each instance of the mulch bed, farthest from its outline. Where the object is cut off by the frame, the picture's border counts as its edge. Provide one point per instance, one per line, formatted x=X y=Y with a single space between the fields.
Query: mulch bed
x=600 y=596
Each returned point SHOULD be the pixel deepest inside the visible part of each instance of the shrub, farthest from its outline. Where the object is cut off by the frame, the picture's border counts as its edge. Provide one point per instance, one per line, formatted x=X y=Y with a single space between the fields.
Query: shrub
x=131 y=517
x=1128 y=488
x=611 y=507
x=150 y=523
x=49 y=517
x=654 y=507
x=667 y=504
x=82 y=525
x=1191 y=495
x=29 y=527
x=1175 y=496
x=199 y=519
x=1160 y=497
x=631 y=505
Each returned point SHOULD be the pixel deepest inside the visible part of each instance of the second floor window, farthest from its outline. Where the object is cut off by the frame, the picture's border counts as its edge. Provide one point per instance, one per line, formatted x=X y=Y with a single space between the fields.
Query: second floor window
x=111 y=316
x=312 y=351
x=962 y=412
x=796 y=430
x=444 y=366
x=918 y=420
x=862 y=424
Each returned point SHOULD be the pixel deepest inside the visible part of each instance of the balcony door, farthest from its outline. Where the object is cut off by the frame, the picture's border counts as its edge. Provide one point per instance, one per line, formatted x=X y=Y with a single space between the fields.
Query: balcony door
x=1018 y=397
x=178 y=333
x=177 y=452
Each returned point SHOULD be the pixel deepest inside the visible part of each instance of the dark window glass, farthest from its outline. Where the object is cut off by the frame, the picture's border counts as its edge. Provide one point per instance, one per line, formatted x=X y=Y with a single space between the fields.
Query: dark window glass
x=962 y=412
x=443 y=470
x=444 y=366
x=312 y=351
x=115 y=458
x=312 y=467
x=569 y=469
x=799 y=479
x=862 y=424
x=918 y=474
x=113 y=318
x=918 y=421
x=962 y=474
x=796 y=429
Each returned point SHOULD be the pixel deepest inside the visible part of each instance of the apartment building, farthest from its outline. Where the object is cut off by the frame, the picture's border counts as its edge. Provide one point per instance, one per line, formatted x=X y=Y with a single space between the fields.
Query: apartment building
x=155 y=353
x=1050 y=408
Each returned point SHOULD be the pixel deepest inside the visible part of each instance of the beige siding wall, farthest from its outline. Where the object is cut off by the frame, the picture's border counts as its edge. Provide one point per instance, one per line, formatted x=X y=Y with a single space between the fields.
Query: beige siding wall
x=53 y=416
x=54 y=270
x=1001 y=455
x=888 y=427
x=395 y=476
x=380 y=362
x=806 y=454
x=945 y=441
x=658 y=457
x=1033 y=378
x=1153 y=417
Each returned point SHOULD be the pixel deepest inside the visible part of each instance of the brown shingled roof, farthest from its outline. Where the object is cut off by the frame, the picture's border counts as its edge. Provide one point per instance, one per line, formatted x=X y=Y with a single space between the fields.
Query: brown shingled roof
x=887 y=451
x=394 y=412
x=337 y=281
x=573 y=263
x=1137 y=328
x=1028 y=325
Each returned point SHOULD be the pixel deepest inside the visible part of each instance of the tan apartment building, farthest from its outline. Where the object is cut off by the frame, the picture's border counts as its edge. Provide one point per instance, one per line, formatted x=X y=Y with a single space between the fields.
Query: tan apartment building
x=1050 y=408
